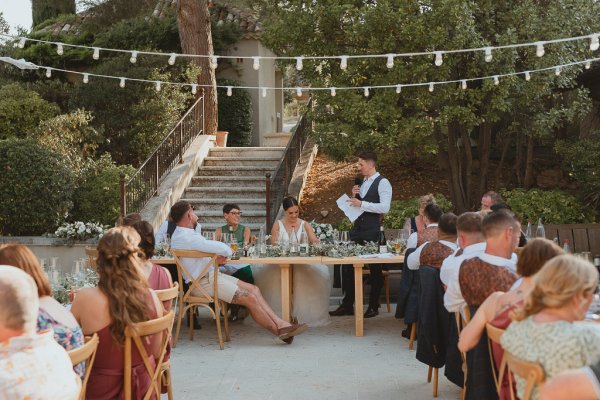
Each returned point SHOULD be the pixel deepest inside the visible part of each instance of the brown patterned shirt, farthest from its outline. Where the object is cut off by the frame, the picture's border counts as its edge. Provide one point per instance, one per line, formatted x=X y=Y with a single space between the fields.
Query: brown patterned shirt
x=434 y=254
x=429 y=234
x=478 y=279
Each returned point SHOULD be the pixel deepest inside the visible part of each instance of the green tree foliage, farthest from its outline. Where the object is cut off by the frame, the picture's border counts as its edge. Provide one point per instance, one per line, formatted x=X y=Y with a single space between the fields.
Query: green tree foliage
x=553 y=206
x=515 y=112
x=42 y=10
x=21 y=110
x=235 y=114
x=401 y=210
x=35 y=188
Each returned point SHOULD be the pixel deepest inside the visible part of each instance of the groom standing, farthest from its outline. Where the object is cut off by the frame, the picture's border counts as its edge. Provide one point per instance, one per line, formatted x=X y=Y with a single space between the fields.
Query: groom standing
x=373 y=197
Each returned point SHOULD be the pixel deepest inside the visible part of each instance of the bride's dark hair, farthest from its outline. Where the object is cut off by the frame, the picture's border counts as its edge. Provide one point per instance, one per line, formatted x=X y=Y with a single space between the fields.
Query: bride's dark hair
x=289 y=202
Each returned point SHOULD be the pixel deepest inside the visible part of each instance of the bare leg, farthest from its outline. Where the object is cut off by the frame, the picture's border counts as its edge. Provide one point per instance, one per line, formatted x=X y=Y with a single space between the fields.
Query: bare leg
x=263 y=303
x=249 y=296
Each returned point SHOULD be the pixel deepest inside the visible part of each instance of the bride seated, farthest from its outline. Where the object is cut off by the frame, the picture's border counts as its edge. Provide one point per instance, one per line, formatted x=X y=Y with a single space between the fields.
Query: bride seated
x=311 y=283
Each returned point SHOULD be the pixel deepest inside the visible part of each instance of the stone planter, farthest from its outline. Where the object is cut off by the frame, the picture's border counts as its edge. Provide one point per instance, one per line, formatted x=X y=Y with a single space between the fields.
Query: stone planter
x=222 y=138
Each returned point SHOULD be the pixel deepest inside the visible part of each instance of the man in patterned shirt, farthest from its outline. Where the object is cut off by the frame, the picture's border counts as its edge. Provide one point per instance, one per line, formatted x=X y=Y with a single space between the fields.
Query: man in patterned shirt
x=32 y=365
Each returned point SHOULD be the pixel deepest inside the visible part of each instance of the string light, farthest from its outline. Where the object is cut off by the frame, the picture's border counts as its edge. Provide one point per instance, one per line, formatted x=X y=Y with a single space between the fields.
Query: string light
x=488 y=54
x=496 y=80
x=332 y=90
x=594 y=43
x=264 y=92
x=157 y=86
x=398 y=89
x=299 y=65
x=539 y=49
x=172 y=59
x=463 y=84
x=214 y=62
x=59 y=49
x=122 y=83
x=22 y=43
x=133 y=58
x=96 y=54
x=390 y=61
x=256 y=63
x=431 y=87
x=194 y=88
x=557 y=71
x=48 y=72
x=344 y=62
x=86 y=78
x=299 y=91
x=366 y=92
x=527 y=76
x=438 y=58
x=588 y=65
x=229 y=91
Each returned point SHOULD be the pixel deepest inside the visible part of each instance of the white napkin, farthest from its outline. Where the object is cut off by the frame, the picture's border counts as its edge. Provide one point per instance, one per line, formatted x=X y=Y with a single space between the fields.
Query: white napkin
x=378 y=255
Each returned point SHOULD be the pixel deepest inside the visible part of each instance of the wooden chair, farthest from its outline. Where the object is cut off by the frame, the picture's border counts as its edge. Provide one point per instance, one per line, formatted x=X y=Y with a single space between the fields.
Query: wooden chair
x=92 y=254
x=163 y=295
x=386 y=284
x=493 y=334
x=134 y=333
x=187 y=301
x=532 y=372
x=87 y=354
x=463 y=317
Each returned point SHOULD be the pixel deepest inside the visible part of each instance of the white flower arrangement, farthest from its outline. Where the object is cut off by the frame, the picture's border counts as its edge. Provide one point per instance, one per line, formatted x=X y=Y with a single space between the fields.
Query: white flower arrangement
x=324 y=232
x=81 y=231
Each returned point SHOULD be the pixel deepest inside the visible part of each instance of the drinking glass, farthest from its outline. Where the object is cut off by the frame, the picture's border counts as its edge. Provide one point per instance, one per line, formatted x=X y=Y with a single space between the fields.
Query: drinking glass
x=397 y=246
x=344 y=237
x=403 y=235
x=226 y=237
x=233 y=244
x=208 y=235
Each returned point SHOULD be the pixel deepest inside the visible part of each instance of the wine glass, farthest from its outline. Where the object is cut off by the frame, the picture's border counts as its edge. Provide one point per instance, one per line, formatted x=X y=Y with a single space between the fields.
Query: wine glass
x=226 y=237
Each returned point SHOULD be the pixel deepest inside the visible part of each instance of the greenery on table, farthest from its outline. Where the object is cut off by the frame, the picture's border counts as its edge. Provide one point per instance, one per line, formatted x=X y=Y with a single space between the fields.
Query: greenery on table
x=61 y=289
x=553 y=206
x=327 y=249
x=324 y=232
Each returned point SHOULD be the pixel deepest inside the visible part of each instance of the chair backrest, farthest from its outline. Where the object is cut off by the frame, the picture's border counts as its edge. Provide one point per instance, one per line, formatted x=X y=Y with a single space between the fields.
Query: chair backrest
x=92 y=254
x=532 y=372
x=168 y=294
x=493 y=334
x=200 y=295
x=87 y=354
x=134 y=333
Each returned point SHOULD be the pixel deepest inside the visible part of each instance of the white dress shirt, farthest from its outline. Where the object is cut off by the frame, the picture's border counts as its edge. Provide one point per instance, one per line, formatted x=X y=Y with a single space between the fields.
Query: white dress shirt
x=414 y=259
x=411 y=243
x=188 y=239
x=385 y=195
x=162 y=231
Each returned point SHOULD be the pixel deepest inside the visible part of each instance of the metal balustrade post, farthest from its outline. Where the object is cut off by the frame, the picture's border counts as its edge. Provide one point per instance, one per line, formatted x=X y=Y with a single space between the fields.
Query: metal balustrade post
x=157 y=177
x=123 y=190
x=268 y=199
x=181 y=143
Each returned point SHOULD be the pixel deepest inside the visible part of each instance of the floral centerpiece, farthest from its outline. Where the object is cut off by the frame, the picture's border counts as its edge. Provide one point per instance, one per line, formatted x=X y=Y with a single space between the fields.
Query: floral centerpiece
x=64 y=286
x=80 y=231
x=325 y=232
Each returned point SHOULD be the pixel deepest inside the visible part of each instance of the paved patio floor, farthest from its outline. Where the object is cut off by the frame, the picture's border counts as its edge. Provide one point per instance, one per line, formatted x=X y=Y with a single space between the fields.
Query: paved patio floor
x=323 y=363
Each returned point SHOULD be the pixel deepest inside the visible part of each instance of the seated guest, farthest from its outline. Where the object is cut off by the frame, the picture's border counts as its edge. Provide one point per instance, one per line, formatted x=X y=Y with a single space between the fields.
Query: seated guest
x=166 y=229
x=231 y=289
x=434 y=252
x=432 y=214
x=504 y=206
x=122 y=298
x=488 y=200
x=580 y=384
x=492 y=270
x=129 y=219
x=496 y=308
x=417 y=224
x=32 y=365
x=472 y=244
x=543 y=330
x=51 y=314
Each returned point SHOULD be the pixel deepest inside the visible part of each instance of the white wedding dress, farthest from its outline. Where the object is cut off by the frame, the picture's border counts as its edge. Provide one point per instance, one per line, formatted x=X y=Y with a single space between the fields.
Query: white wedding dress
x=311 y=287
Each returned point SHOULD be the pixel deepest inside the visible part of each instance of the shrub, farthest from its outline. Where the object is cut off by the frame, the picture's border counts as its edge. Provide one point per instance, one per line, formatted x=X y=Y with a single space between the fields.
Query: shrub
x=21 y=111
x=400 y=210
x=235 y=114
x=553 y=206
x=97 y=199
x=35 y=188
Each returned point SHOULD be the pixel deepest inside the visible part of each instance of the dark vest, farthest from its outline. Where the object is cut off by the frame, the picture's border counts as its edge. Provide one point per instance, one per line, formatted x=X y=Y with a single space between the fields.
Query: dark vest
x=366 y=227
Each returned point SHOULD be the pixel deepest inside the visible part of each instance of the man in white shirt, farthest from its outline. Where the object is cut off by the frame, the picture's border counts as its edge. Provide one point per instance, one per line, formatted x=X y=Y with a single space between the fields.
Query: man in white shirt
x=32 y=365
x=446 y=244
x=231 y=289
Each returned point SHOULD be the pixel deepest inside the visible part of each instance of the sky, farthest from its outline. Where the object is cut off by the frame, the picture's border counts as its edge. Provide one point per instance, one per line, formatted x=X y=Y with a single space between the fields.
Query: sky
x=16 y=13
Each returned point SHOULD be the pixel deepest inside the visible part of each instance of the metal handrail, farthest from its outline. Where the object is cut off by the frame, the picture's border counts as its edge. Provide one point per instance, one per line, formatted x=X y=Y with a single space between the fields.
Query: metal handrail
x=144 y=183
x=276 y=184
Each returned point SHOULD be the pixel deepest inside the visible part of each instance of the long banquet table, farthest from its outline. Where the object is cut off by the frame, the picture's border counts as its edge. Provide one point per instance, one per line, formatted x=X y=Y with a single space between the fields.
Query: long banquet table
x=285 y=263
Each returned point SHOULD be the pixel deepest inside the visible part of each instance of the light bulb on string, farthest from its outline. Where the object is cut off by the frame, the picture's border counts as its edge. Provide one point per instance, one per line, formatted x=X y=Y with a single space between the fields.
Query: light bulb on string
x=398 y=89
x=229 y=91
x=366 y=92
x=594 y=43
x=539 y=49
x=527 y=76
x=344 y=62
x=256 y=63
x=133 y=57
x=214 y=62
x=332 y=90
x=122 y=83
x=431 y=87
x=488 y=54
x=390 y=61
x=194 y=88
x=463 y=84
x=496 y=80
x=588 y=65
x=59 y=49
x=172 y=59
x=22 y=43
x=96 y=54
x=264 y=92
x=438 y=58
x=48 y=72
x=299 y=65
x=299 y=91
x=86 y=78
x=158 y=86
x=557 y=71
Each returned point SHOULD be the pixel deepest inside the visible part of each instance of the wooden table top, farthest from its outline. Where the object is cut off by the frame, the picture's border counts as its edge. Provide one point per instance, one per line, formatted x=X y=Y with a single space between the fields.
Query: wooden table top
x=302 y=260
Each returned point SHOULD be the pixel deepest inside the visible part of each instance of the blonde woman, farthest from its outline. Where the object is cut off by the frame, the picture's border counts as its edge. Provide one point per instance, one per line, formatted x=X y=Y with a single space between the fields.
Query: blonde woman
x=544 y=330
x=417 y=223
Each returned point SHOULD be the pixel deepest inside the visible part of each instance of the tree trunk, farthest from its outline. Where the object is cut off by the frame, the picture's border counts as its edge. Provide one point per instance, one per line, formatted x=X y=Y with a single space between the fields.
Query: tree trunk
x=505 y=147
x=528 y=180
x=455 y=174
x=519 y=159
x=42 y=10
x=193 y=19
x=485 y=143
x=466 y=166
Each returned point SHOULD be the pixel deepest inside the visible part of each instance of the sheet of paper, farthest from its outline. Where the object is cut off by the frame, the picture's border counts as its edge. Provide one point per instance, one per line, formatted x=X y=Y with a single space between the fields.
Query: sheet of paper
x=350 y=211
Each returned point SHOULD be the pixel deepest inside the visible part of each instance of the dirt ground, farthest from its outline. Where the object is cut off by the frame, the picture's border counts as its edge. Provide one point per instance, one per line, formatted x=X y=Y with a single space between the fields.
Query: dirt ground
x=328 y=180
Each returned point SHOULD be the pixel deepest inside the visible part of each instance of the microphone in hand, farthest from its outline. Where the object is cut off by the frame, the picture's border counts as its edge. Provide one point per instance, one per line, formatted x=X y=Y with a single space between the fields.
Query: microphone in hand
x=357 y=182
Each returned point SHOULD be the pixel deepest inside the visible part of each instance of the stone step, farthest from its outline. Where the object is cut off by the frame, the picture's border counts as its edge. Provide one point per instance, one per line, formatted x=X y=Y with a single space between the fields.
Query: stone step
x=225 y=192
x=250 y=215
x=227 y=181
x=234 y=171
x=211 y=226
x=246 y=152
x=221 y=221
x=272 y=162
x=216 y=203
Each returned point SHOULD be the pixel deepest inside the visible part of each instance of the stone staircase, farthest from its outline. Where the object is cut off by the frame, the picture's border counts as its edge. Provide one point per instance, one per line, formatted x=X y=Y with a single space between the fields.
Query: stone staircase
x=232 y=175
